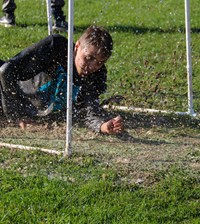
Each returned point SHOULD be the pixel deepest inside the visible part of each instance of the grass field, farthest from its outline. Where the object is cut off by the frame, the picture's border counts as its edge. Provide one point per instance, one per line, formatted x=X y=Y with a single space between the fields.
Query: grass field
x=150 y=173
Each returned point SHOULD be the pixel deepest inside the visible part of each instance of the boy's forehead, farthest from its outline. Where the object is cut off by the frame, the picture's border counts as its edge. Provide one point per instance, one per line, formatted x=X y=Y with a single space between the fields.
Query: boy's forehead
x=91 y=50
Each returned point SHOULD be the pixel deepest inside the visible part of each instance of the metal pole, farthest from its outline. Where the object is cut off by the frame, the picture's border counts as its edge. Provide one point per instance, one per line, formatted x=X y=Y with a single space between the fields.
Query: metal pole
x=189 y=60
x=68 y=149
x=49 y=17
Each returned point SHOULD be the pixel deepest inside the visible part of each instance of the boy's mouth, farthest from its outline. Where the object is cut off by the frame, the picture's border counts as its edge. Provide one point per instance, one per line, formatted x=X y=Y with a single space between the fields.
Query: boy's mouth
x=85 y=70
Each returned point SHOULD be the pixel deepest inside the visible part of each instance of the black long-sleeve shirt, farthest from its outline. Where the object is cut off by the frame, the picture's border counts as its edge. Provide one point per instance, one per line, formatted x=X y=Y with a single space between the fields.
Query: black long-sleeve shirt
x=27 y=81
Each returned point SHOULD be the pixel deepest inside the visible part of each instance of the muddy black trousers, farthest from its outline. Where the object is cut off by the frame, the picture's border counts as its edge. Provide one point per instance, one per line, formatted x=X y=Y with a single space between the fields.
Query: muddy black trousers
x=44 y=56
x=9 y=7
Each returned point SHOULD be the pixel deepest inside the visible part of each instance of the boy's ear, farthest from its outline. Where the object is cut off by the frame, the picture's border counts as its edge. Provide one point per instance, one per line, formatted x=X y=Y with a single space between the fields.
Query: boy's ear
x=77 y=44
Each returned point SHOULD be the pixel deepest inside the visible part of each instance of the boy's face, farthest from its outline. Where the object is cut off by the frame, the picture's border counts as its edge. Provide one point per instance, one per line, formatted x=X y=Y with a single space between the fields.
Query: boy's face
x=86 y=59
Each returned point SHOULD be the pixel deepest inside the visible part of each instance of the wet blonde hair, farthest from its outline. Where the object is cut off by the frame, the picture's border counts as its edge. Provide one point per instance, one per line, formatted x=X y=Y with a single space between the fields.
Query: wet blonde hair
x=98 y=37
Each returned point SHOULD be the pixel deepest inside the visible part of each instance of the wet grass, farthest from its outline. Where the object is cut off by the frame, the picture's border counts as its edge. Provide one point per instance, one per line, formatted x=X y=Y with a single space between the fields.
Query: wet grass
x=150 y=174
x=37 y=188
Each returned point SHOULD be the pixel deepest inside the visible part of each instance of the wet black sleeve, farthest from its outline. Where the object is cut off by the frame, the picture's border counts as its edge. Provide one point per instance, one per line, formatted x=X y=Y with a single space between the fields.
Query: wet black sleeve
x=88 y=106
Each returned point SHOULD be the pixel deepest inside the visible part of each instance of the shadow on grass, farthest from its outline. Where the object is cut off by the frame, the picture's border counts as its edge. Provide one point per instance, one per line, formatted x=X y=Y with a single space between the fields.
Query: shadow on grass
x=131 y=120
x=25 y=25
x=149 y=120
x=122 y=28
x=126 y=137
x=140 y=30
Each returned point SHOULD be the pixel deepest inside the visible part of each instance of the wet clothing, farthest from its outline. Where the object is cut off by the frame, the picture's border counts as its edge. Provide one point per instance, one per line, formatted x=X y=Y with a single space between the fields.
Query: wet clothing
x=34 y=82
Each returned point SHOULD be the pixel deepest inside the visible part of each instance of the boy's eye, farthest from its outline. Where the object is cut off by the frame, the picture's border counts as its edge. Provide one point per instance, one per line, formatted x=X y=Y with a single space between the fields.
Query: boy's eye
x=100 y=62
x=88 y=58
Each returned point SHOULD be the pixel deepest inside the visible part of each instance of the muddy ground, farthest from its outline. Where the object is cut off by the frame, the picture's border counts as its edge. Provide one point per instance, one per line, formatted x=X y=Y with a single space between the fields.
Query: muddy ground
x=152 y=143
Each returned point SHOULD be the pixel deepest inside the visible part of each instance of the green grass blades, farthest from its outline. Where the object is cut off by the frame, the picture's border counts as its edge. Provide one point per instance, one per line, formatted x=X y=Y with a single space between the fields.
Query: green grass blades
x=148 y=175
x=69 y=191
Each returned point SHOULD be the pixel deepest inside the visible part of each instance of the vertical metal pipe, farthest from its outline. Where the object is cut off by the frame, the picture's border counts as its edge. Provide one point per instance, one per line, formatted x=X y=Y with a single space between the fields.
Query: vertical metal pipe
x=188 y=55
x=68 y=149
x=49 y=17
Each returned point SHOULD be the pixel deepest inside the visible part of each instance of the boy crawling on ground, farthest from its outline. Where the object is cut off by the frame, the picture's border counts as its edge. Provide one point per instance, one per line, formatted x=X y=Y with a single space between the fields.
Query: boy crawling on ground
x=34 y=82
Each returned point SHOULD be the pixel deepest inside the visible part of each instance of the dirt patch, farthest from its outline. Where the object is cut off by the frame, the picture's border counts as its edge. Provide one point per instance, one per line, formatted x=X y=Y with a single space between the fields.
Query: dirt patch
x=151 y=144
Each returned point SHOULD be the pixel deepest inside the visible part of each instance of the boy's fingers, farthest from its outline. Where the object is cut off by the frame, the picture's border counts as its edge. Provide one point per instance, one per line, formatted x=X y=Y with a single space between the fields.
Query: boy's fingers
x=118 y=126
x=117 y=121
x=115 y=125
x=22 y=124
x=117 y=118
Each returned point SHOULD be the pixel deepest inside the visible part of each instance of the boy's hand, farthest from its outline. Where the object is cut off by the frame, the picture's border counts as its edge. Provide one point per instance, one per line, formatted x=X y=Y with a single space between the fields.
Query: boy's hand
x=113 y=126
x=23 y=124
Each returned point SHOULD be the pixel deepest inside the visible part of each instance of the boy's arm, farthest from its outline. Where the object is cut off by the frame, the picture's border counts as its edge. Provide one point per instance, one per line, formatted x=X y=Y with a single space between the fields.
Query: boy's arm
x=97 y=119
x=92 y=114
